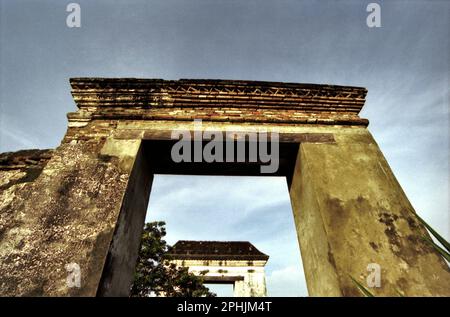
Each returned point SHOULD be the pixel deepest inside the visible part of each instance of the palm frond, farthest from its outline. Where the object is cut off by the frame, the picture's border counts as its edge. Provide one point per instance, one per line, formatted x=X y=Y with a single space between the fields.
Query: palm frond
x=361 y=287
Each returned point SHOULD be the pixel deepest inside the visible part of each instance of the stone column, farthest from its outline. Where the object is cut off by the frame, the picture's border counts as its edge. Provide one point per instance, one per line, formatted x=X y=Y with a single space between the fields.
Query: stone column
x=68 y=216
x=350 y=211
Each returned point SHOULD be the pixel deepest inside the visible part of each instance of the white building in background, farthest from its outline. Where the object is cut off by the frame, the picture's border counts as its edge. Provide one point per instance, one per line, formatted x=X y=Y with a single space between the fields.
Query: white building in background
x=224 y=262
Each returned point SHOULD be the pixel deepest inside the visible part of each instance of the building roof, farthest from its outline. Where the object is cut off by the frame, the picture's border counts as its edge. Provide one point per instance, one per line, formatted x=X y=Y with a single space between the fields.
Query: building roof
x=216 y=250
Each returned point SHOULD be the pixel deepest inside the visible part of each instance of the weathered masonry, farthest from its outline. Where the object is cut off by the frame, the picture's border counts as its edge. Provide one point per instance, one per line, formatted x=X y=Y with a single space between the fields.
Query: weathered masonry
x=224 y=262
x=85 y=201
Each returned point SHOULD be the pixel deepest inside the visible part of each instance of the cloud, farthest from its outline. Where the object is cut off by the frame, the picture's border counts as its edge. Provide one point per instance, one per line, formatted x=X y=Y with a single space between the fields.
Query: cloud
x=287 y=281
x=255 y=209
x=14 y=137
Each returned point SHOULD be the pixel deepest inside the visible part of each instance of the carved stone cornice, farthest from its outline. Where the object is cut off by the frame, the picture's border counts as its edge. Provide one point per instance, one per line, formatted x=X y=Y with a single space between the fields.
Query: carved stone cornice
x=216 y=100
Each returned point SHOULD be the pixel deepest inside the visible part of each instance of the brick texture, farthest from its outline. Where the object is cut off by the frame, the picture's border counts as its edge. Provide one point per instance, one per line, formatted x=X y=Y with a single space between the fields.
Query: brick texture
x=216 y=100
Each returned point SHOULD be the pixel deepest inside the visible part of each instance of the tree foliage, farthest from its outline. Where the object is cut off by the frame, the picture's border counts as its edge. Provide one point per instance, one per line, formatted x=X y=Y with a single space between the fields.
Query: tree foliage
x=156 y=275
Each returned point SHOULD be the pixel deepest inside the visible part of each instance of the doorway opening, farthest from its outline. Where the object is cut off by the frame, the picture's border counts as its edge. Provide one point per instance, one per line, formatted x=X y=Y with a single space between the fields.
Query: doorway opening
x=230 y=208
x=209 y=201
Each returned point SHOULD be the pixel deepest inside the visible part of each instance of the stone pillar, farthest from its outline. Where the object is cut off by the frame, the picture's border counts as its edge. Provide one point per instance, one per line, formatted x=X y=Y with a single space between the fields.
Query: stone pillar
x=68 y=214
x=350 y=211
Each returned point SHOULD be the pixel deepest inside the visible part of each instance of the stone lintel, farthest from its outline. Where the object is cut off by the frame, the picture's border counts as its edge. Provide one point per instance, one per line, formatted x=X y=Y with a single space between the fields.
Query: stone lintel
x=222 y=279
x=216 y=100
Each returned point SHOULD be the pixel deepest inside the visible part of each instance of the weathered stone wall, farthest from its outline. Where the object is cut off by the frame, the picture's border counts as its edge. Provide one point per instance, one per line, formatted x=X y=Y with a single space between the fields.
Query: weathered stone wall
x=350 y=211
x=22 y=167
x=67 y=213
x=18 y=170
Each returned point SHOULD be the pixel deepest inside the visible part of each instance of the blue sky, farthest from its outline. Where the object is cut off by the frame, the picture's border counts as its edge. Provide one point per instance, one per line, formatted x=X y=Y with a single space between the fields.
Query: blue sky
x=404 y=65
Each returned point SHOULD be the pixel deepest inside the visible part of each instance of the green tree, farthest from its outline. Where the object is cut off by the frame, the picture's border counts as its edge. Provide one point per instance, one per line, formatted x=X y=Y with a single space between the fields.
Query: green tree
x=156 y=274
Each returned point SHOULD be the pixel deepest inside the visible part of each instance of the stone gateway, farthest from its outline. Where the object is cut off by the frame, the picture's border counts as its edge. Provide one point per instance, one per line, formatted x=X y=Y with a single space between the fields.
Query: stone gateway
x=85 y=201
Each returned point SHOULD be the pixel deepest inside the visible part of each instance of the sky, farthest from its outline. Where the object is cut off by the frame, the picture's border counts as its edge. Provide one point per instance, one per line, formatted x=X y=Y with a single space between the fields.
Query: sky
x=404 y=64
